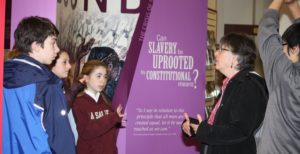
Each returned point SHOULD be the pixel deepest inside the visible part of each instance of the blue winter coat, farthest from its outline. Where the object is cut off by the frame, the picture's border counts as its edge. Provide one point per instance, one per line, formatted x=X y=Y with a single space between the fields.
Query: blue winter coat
x=34 y=110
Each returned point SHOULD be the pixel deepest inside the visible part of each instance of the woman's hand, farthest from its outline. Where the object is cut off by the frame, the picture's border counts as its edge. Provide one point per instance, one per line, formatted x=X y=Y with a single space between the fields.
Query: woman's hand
x=195 y=126
x=186 y=125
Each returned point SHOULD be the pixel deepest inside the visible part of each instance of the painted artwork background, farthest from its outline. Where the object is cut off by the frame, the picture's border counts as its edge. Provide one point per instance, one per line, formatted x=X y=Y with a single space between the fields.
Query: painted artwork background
x=85 y=25
x=110 y=30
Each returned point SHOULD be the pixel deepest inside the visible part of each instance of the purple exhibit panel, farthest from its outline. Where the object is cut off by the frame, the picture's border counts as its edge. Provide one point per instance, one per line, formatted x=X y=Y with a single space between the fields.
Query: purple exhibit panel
x=168 y=79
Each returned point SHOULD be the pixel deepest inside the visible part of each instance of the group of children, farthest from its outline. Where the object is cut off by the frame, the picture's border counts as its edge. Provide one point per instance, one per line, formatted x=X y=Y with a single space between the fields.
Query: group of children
x=36 y=102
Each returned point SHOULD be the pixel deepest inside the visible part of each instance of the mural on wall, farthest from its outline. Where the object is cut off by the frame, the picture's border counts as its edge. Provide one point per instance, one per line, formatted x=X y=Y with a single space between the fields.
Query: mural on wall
x=105 y=33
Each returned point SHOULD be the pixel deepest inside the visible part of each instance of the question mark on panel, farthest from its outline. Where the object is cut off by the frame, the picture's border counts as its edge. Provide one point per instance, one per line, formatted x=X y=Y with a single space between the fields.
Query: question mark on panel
x=196 y=77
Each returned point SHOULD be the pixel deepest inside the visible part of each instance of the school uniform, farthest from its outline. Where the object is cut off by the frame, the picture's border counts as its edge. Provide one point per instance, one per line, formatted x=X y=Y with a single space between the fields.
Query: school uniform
x=96 y=125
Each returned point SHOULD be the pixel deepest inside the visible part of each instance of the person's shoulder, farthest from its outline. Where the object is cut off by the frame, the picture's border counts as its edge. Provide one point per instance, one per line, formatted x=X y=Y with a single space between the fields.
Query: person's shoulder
x=80 y=102
x=23 y=66
x=81 y=97
x=246 y=74
x=258 y=82
x=14 y=64
x=53 y=79
x=18 y=74
x=292 y=75
x=106 y=99
x=253 y=76
x=250 y=78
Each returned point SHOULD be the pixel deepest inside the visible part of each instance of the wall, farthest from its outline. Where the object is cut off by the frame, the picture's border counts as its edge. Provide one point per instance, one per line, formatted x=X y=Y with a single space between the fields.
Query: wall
x=232 y=12
x=24 y=8
x=246 y=12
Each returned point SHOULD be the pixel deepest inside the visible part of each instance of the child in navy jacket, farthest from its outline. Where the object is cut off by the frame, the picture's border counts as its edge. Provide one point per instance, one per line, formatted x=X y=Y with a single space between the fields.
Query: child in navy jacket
x=33 y=106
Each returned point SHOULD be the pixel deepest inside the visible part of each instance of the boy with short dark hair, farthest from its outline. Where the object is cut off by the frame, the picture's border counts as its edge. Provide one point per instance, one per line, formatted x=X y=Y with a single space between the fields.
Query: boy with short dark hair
x=34 y=108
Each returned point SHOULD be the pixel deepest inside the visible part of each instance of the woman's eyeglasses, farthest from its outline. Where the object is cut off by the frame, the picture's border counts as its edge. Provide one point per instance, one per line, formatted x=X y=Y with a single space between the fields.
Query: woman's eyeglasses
x=222 y=49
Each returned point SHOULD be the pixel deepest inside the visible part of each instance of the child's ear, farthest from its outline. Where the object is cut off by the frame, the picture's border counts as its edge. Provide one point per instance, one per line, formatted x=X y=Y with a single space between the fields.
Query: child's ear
x=86 y=78
x=35 y=47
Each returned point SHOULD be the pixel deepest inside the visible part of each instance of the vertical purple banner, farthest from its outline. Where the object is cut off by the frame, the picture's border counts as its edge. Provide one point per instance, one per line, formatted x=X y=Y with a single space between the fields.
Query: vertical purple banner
x=169 y=79
x=25 y=8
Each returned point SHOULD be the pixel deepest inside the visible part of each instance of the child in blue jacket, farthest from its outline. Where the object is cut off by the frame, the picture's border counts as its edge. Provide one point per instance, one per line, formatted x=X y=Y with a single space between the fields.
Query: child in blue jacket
x=34 y=109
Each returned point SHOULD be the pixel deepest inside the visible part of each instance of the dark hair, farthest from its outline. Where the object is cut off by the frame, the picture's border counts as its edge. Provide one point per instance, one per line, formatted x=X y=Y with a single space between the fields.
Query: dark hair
x=292 y=35
x=33 y=29
x=90 y=66
x=242 y=46
x=105 y=54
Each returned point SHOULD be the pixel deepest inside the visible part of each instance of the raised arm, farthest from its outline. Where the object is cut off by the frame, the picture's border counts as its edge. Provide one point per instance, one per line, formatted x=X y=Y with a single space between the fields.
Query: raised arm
x=293 y=6
x=270 y=42
x=276 y=4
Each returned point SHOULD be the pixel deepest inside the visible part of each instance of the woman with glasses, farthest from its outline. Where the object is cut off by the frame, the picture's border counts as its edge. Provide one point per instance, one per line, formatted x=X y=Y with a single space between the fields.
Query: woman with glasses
x=239 y=109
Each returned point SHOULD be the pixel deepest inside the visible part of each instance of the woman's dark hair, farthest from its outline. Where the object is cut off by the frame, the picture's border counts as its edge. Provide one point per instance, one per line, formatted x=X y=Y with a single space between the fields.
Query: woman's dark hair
x=292 y=35
x=33 y=29
x=244 y=47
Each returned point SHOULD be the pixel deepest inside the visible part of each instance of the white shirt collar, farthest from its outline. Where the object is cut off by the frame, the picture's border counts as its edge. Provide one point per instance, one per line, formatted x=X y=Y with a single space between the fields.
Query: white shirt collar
x=92 y=94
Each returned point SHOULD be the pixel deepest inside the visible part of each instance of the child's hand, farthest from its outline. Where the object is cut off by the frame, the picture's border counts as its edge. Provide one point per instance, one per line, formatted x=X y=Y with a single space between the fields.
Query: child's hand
x=119 y=110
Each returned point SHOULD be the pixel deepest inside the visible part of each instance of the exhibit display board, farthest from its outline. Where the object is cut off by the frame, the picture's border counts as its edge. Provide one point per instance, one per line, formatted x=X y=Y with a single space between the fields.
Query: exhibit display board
x=169 y=78
x=160 y=49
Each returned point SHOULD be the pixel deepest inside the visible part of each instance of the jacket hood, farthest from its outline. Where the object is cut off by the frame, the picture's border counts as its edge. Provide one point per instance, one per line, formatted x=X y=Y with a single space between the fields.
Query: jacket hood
x=24 y=70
